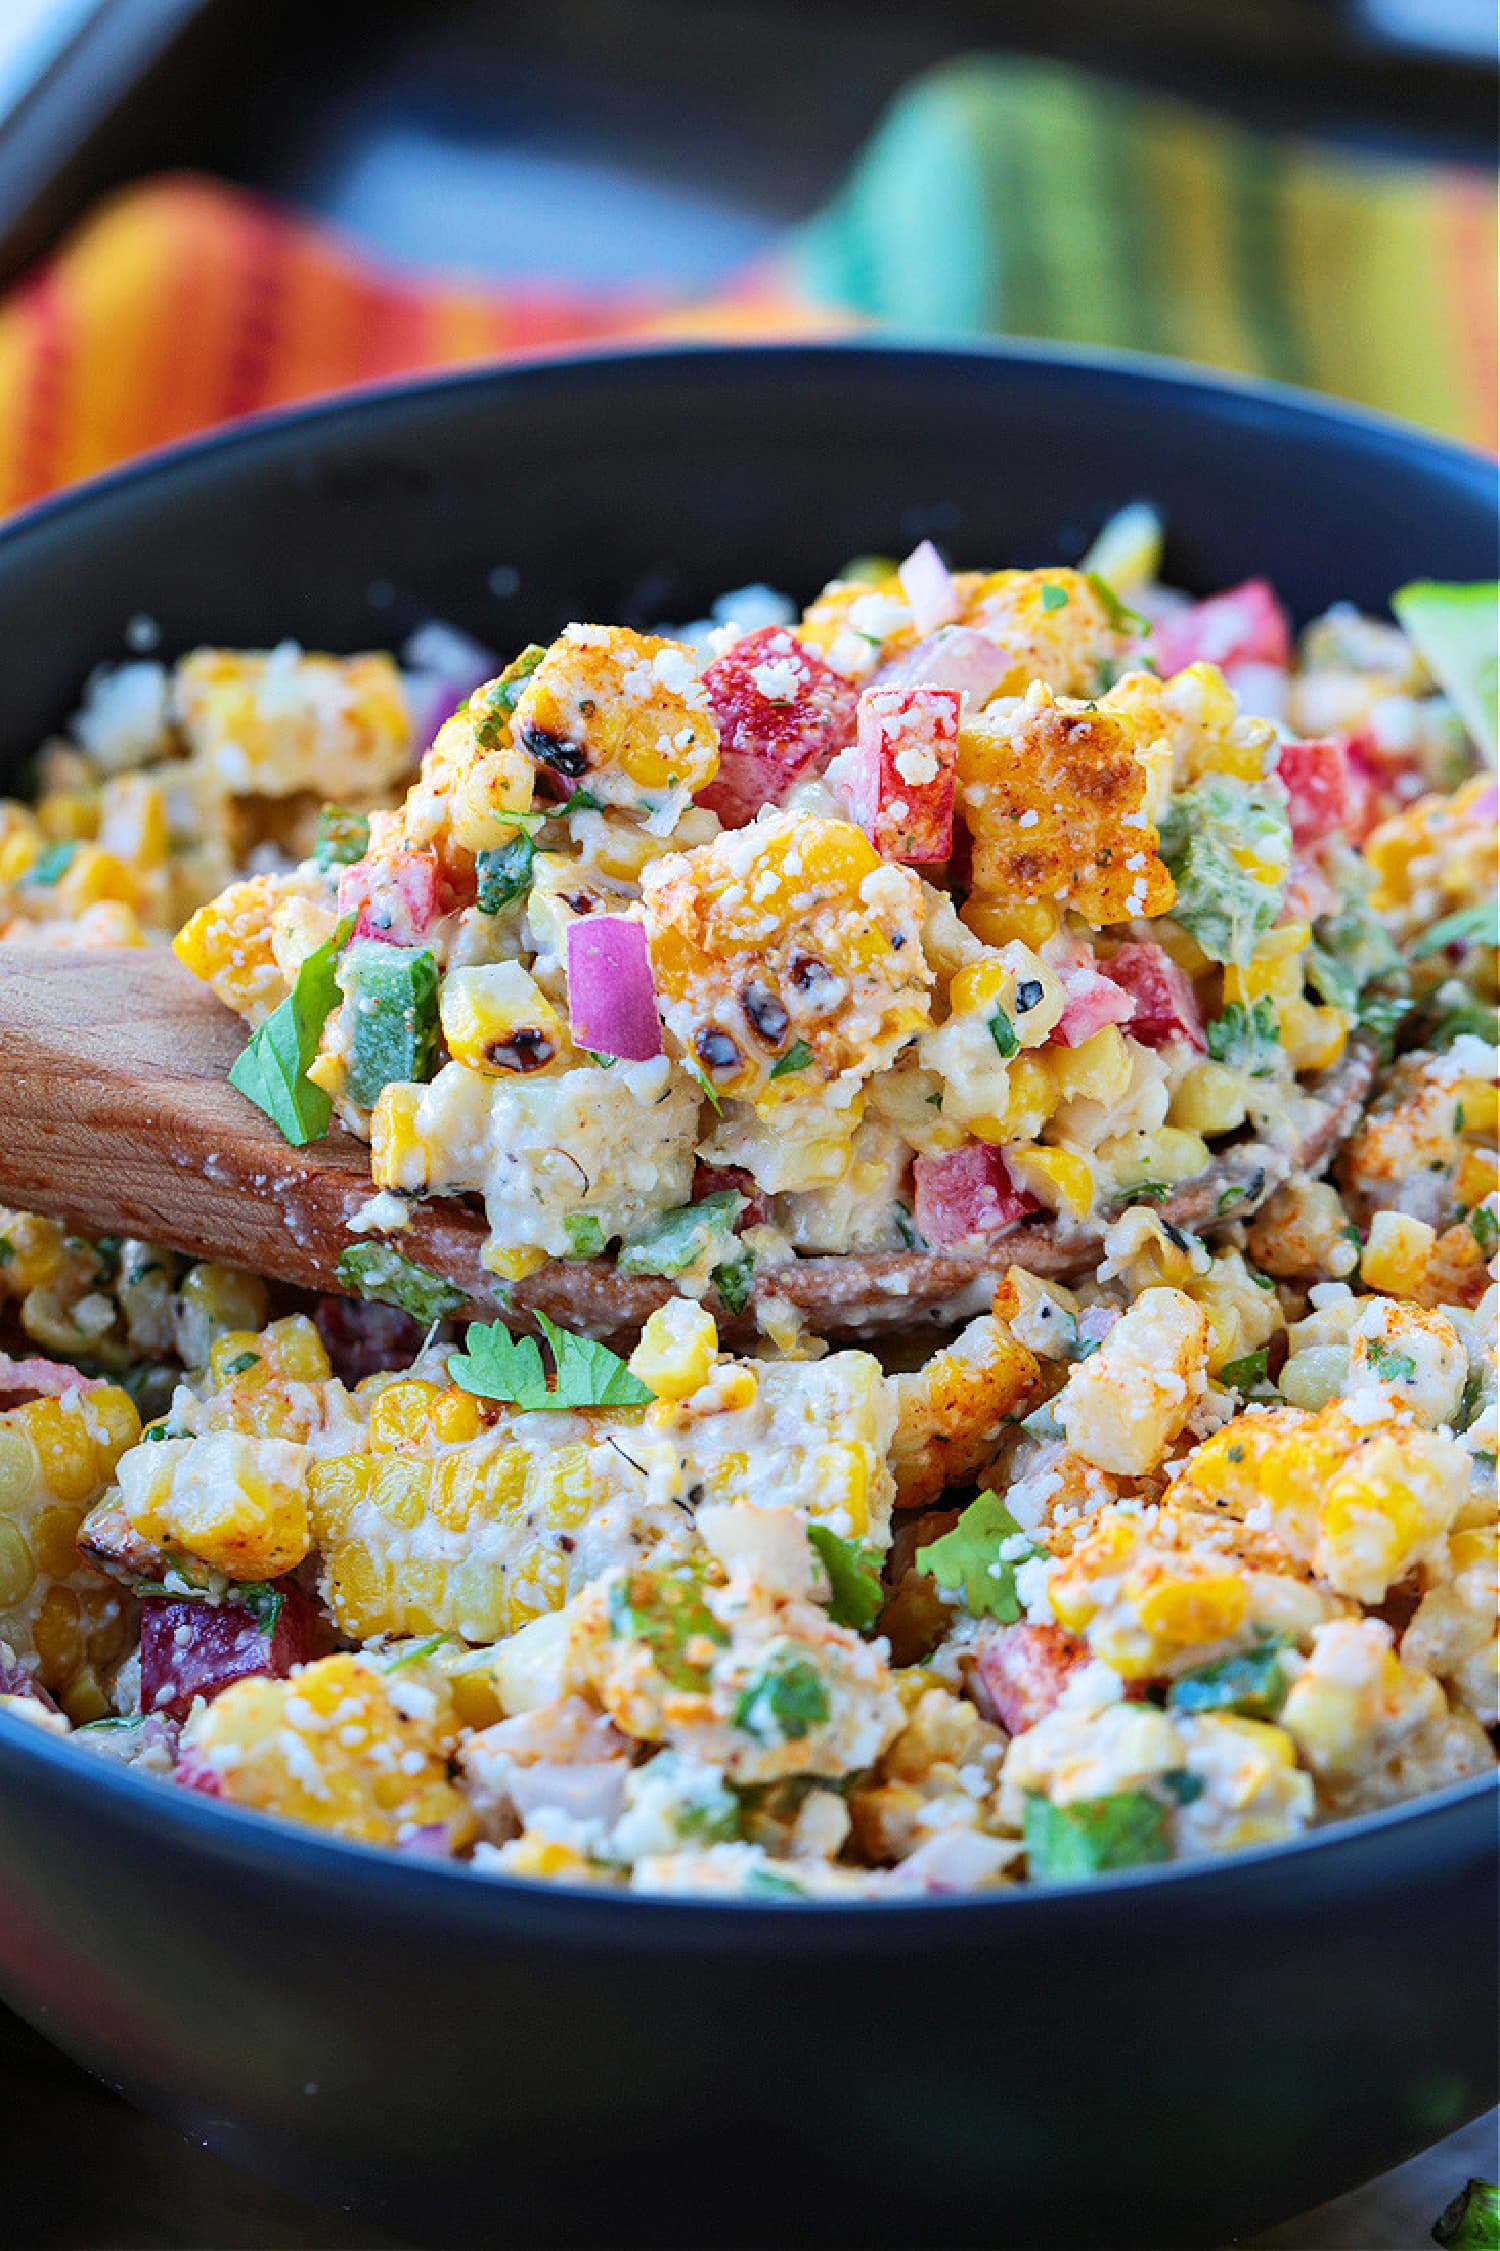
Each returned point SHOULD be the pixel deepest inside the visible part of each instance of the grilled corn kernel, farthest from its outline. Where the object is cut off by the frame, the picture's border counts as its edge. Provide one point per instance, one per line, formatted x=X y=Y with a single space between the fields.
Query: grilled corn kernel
x=678 y=1347
x=487 y=795
x=228 y=945
x=497 y=1020
x=1166 y=1156
x=1098 y=1071
x=1313 y=1038
x=1001 y=921
x=237 y=1503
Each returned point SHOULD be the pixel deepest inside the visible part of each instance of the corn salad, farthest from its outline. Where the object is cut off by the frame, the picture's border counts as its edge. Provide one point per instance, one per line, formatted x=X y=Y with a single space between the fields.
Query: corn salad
x=962 y=902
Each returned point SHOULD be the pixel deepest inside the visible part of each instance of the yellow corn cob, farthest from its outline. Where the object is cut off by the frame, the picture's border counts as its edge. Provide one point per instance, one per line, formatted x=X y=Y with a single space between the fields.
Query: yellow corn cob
x=329 y=1747
x=228 y=944
x=56 y=1459
x=236 y=1502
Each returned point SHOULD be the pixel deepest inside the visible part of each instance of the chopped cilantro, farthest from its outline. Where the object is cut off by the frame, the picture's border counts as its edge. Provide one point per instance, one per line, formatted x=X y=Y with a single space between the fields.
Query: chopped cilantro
x=241 y=1363
x=769 y=1883
x=696 y=1071
x=415 y=1651
x=496 y=1365
x=7 y=1250
x=581 y=801
x=666 y=1610
x=733 y=1278
x=796 y=1058
x=1228 y=1198
x=271 y=1071
x=967 y=1560
x=856 y=1596
x=503 y=874
x=1485 y=1228
x=1392 y=1367
x=1253 y=1683
x=1070 y=1843
x=906 y=1227
x=491 y=707
x=1185 y=1787
x=1207 y=835
x=1247 y=1039
x=784 y=1701
x=1245 y=1374
x=1002 y=1032
x=1146 y=1192
x=376 y=1271
x=1121 y=618
x=1054 y=597
x=343 y=838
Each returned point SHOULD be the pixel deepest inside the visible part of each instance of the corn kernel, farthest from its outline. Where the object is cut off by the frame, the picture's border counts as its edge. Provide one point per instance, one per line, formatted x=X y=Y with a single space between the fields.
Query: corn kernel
x=512 y=1265
x=1313 y=1038
x=997 y=921
x=677 y=1349
x=1395 y=1256
x=1062 y=1179
x=496 y=1019
x=1168 y=1155
x=1209 y=1098
x=1098 y=1071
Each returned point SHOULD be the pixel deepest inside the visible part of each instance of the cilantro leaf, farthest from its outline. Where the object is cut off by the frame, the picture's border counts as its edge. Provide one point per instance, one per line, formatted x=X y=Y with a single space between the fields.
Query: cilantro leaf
x=796 y=1058
x=1247 y=1039
x=496 y=1365
x=1245 y=1374
x=1054 y=597
x=1003 y=1033
x=967 y=1561
x=1392 y=1367
x=490 y=707
x=1485 y=1229
x=785 y=1700
x=667 y=1611
x=1207 y=835
x=857 y=1597
x=1121 y=617
x=271 y=1071
x=376 y=1271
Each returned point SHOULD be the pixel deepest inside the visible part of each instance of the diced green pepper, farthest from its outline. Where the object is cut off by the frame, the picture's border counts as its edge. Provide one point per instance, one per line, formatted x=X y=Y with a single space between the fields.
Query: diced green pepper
x=679 y=1239
x=1472 y=2221
x=1253 y=1683
x=1067 y=1844
x=394 y=990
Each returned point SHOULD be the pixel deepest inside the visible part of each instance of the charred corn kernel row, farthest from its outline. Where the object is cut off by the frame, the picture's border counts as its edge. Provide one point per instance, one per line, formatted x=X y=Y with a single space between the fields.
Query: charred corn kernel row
x=56 y=1459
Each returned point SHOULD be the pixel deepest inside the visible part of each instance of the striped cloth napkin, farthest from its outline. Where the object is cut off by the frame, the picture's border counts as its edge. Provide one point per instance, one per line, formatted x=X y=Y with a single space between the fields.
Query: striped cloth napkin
x=995 y=197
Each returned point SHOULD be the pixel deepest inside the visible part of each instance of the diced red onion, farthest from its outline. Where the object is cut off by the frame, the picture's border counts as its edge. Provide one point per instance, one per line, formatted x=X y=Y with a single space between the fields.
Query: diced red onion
x=1244 y=625
x=927 y=583
x=222 y=1642
x=611 y=996
x=956 y=656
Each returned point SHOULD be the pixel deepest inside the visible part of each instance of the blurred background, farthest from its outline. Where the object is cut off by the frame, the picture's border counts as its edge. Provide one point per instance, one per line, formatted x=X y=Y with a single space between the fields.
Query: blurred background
x=209 y=207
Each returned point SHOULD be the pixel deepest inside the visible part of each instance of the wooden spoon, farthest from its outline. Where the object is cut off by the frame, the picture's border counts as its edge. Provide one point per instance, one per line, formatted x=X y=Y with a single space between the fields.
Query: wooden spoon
x=120 y=1120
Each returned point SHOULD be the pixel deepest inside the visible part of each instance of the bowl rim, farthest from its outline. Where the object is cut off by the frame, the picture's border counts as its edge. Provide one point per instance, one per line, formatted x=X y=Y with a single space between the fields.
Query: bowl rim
x=1320 y=412
x=282 y=1846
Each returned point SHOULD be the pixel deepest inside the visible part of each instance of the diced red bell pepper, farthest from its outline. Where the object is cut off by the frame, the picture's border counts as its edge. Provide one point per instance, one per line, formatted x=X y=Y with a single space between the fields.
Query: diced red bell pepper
x=1319 y=788
x=781 y=714
x=1093 y=1001
x=366 y=1339
x=397 y=897
x=965 y=1194
x=1024 y=1669
x=1244 y=625
x=193 y=1649
x=1166 y=1007
x=902 y=773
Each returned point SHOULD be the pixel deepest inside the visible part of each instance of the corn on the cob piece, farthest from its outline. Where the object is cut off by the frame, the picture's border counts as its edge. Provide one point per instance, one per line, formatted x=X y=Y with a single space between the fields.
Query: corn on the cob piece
x=238 y=1504
x=57 y=1456
x=1123 y=1408
x=228 y=945
x=1372 y=1729
x=787 y=953
x=330 y=1748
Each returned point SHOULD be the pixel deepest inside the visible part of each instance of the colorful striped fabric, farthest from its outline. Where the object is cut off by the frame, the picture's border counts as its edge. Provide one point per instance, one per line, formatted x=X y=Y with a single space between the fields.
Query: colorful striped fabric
x=1030 y=200
x=995 y=197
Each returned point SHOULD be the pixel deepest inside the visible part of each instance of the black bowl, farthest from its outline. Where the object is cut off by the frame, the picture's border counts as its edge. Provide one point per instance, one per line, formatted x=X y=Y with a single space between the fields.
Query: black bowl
x=1175 y=2056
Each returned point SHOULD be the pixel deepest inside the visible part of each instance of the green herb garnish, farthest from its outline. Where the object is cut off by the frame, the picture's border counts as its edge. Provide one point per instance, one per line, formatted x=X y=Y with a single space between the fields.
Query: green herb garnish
x=785 y=1700
x=496 y=1365
x=1003 y=1033
x=1253 y=1683
x=491 y=707
x=271 y=1071
x=343 y=838
x=796 y=1058
x=967 y=1561
x=1247 y=1039
x=1478 y=925
x=1245 y=1374
x=1485 y=1228
x=244 y=1361
x=1121 y=618
x=503 y=874
x=666 y=1610
x=1391 y=1367
x=856 y=1595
